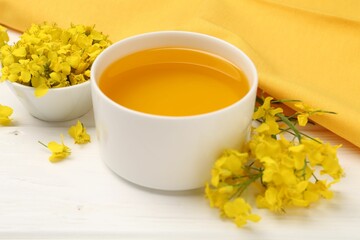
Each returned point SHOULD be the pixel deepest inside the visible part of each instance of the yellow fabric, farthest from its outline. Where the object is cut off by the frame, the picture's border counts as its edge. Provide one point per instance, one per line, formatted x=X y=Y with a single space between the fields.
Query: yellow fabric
x=308 y=50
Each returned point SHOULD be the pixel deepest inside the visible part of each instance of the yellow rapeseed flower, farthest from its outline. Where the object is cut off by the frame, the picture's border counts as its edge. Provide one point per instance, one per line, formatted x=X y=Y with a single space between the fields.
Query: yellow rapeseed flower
x=267 y=115
x=217 y=197
x=79 y=134
x=5 y=113
x=285 y=161
x=59 y=150
x=266 y=109
x=324 y=155
x=305 y=111
x=318 y=189
x=240 y=211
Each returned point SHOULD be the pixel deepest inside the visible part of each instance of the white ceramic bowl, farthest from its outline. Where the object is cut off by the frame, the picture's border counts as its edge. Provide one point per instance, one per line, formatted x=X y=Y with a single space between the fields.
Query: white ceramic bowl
x=169 y=153
x=58 y=104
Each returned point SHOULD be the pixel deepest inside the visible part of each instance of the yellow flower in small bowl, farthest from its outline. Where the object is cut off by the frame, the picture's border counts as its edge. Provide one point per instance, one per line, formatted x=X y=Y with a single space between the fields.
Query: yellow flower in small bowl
x=49 y=69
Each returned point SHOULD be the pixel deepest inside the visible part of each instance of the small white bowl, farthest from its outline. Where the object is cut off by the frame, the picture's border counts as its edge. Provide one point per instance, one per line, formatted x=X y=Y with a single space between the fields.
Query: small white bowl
x=58 y=104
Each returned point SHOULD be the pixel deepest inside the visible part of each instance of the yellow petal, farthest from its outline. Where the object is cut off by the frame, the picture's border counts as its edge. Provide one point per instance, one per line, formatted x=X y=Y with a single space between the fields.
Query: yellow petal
x=73 y=60
x=19 y=52
x=302 y=119
x=8 y=60
x=5 y=113
x=311 y=196
x=5 y=110
x=41 y=91
x=301 y=186
x=25 y=76
x=226 y=189
x=271 y=196
x=262 y=128
x=55 y=147
x=79 y=134
x=240 y=221
x=300 y=202
x=254 y=218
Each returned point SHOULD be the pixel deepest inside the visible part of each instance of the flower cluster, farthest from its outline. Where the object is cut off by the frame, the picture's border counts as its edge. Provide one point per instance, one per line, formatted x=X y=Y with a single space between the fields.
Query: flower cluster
x=283 y=164
x=47 y=56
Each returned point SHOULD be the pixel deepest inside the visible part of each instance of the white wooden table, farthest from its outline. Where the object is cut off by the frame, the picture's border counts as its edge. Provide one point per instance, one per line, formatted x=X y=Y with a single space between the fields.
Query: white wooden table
x=80 y=198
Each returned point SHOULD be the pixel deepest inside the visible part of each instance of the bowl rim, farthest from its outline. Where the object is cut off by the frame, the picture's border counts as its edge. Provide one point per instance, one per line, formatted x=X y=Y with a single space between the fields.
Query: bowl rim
x=95 y=89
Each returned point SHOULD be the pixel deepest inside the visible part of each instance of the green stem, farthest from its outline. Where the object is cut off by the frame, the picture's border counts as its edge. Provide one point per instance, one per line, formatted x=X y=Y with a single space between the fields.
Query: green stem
x=244 y=185
x=256 y=169
x=303 y=134
x=285 y=100
x=42 y=144
x=322 y=111
x=290 y=125
x=259 y=100
x=316 y=179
